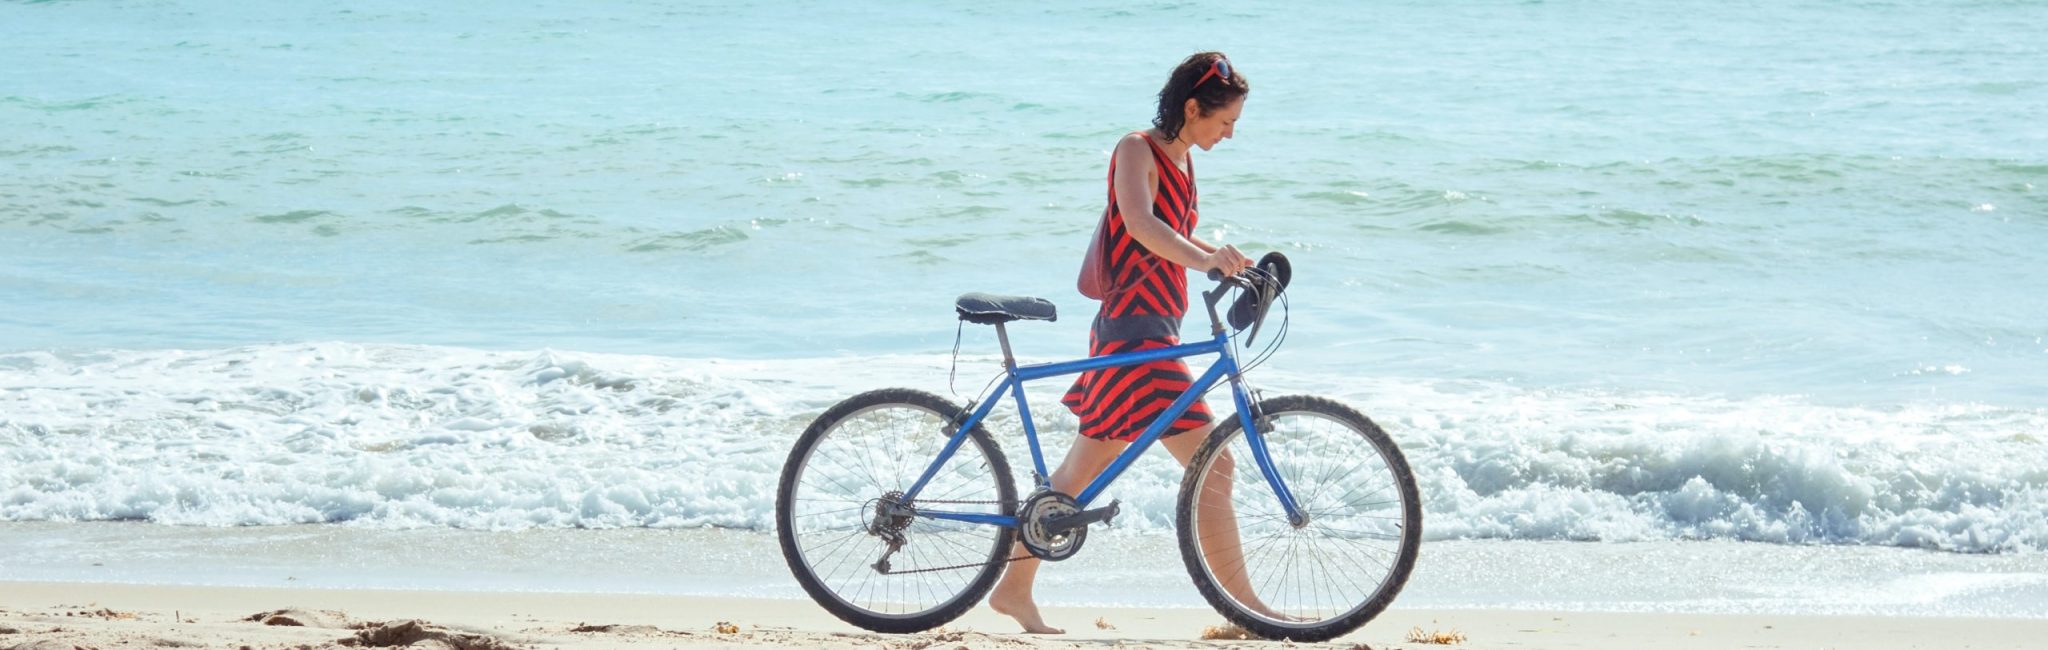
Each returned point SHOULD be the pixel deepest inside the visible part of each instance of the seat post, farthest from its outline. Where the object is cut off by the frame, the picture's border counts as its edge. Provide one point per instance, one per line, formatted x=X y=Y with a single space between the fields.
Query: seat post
x=1003 y=335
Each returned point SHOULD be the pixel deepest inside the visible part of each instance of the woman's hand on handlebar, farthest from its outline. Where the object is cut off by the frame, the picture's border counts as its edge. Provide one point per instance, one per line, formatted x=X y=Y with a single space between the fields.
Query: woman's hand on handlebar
x=1227 y=260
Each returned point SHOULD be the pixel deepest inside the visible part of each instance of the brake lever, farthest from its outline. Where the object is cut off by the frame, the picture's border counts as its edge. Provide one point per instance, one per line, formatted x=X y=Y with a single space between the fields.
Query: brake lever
x=1266 y=297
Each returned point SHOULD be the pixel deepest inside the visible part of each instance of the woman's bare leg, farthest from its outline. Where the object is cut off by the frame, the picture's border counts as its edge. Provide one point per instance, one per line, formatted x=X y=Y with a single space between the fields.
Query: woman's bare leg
x=1012 y=596
x=1218 y=530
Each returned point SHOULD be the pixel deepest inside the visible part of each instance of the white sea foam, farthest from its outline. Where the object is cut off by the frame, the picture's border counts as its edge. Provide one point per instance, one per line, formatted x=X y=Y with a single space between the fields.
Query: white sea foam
x=406 y=436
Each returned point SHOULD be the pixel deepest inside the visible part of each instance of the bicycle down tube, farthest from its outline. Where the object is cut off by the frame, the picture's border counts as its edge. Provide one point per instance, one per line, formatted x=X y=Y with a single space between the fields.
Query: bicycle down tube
x=1013 y=383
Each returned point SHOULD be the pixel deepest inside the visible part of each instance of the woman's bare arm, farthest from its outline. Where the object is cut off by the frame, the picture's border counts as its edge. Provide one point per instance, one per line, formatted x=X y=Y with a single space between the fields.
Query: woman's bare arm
x=1134 y=187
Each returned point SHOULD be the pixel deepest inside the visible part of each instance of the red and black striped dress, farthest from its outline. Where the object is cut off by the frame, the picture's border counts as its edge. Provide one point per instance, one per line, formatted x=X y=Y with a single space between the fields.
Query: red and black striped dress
x=1146 y=299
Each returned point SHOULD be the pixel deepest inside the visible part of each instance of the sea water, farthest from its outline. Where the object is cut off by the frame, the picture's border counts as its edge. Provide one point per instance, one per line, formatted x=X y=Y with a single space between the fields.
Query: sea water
x=1625 y=275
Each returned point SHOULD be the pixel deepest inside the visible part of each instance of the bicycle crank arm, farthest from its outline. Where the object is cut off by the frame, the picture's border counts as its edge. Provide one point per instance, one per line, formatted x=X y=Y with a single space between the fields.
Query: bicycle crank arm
x=1057 y=525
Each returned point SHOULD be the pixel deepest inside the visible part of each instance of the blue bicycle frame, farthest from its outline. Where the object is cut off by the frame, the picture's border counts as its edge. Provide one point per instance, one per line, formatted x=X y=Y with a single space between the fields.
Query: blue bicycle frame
x=1013 y=383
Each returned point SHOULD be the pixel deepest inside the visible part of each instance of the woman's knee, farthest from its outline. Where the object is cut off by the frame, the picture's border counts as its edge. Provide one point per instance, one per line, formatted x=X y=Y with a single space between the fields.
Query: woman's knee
x=1224 y=469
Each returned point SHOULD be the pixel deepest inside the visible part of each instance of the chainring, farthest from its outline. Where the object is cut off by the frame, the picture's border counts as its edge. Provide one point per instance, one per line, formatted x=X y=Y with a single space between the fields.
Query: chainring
x=1031 y=529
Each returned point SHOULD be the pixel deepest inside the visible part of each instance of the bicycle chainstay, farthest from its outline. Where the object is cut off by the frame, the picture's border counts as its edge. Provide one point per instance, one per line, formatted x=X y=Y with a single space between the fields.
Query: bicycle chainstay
x=969 y=565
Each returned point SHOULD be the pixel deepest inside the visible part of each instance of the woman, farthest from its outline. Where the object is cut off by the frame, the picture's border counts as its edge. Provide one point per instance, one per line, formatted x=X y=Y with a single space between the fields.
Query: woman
x=1148 y=254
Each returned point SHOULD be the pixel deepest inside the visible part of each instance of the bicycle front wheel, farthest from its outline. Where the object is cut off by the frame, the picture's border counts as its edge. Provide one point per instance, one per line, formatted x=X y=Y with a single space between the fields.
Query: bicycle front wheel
x=858 y=547
x=1317 y=576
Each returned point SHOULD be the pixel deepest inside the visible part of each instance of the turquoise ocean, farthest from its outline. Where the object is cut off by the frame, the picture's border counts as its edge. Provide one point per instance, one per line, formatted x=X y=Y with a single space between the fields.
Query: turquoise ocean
x=1748 y=293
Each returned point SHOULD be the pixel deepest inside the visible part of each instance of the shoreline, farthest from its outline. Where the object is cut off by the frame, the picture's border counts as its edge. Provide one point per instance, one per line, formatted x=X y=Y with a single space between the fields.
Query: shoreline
x=101 y=615
x=1125 y=567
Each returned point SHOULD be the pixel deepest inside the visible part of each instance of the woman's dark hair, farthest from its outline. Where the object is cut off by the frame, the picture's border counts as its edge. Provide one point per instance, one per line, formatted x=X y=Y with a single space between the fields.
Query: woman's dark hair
x=1213 y=94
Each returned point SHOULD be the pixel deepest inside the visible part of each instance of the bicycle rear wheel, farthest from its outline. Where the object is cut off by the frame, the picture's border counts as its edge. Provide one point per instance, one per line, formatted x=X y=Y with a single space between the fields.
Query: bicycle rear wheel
x=857 y=553
x=1320 y=577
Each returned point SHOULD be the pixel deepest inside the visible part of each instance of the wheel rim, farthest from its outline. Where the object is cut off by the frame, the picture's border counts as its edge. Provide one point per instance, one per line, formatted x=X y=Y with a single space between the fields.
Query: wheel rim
x=877 y=452
x=1348 y=552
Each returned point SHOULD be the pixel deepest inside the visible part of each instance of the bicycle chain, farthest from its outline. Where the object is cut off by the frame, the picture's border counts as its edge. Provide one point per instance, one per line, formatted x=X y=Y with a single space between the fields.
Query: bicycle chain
x=969 y=565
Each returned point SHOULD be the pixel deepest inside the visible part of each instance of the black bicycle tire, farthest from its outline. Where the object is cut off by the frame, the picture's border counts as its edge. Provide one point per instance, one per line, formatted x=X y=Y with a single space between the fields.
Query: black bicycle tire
x=1006 y=490
x=1411 y=538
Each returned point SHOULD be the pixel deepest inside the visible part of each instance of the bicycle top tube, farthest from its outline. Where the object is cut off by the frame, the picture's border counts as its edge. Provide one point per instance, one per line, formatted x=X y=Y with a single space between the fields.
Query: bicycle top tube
x=1224 y=366
x=1037 y=371
x=1015 y=376
x=1012 y=384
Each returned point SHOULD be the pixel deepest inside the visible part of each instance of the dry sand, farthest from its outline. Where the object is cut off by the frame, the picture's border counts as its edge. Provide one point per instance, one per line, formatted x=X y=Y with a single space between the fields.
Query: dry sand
x=79 y=615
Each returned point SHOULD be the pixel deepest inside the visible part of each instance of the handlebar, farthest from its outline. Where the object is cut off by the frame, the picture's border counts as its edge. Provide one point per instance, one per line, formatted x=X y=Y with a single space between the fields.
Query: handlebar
x=1256 y=282
x=1235 y=280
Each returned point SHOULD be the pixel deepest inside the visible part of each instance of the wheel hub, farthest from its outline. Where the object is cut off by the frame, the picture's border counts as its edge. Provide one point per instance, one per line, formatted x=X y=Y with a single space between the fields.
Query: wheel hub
x=888 y=514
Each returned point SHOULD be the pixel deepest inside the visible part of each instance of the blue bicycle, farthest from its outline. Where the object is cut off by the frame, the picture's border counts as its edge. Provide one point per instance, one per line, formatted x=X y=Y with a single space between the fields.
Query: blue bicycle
x=897 y=510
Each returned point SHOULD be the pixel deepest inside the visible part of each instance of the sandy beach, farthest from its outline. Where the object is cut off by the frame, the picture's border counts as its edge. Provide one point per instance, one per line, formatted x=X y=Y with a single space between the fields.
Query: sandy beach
x=79 y=615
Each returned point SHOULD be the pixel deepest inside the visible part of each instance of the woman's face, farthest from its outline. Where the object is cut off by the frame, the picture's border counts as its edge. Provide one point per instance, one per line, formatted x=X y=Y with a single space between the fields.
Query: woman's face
x=1206 y=130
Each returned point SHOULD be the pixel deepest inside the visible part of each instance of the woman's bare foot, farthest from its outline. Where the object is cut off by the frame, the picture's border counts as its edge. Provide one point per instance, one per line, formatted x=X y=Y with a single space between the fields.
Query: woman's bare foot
x=1020 y=607
x=1268 y=612
x=1259 y=607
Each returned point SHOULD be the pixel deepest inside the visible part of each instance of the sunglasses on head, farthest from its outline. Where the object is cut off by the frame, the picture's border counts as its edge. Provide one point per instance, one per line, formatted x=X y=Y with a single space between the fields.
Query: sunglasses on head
x=1219 y=69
